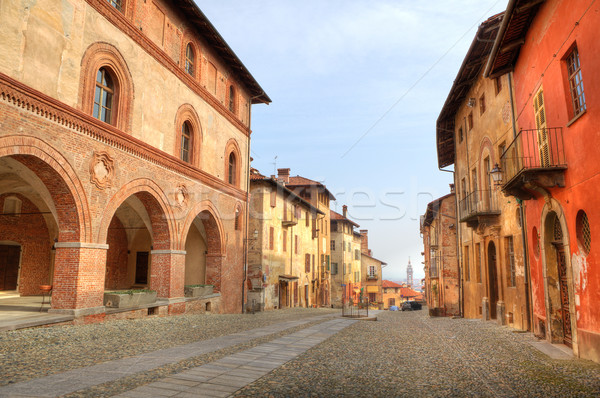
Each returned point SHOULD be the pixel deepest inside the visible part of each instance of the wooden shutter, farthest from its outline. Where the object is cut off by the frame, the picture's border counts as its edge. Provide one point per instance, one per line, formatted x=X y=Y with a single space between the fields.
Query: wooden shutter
x=540 y=122
x=307 y=263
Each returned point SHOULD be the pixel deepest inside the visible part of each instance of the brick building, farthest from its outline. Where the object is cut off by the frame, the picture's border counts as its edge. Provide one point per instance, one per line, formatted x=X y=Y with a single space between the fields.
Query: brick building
x=124 y=141
x=345 y=259
x=442 y=276
x=474 y=128
x=282 y=248
x=551 y=164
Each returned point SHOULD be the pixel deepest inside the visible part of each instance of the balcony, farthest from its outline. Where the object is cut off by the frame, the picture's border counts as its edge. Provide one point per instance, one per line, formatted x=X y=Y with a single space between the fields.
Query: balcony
x=480 y=207
x=372 y=277
x=533 y=162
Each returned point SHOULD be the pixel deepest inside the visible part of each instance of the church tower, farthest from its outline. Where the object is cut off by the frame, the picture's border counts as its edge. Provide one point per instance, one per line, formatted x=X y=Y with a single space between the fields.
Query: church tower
x=409 y=274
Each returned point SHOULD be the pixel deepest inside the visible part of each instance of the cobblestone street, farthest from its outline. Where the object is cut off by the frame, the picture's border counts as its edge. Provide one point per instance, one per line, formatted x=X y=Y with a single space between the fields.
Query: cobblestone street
x=289 y=353
x=410 y=354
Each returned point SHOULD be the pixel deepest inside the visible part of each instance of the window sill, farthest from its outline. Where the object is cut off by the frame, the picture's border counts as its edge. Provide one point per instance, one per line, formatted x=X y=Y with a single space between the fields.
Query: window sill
x=576 y=118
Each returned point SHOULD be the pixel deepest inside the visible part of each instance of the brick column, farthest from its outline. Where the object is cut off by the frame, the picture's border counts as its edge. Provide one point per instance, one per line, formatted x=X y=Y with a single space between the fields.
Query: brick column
x=78 y=284
x=167 y=273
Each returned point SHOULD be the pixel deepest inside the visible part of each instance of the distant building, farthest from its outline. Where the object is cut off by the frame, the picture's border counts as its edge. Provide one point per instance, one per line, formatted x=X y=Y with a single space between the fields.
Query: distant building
x=371 y=273
x=345 y=259
x=396 y=294
x=441 y=265
x=319 y=196
x=282 y=248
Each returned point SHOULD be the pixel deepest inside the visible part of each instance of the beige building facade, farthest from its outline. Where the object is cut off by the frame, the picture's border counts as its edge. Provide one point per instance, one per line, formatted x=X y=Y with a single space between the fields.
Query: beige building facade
x=475 y=128
x=345 y=246
x=282 y=247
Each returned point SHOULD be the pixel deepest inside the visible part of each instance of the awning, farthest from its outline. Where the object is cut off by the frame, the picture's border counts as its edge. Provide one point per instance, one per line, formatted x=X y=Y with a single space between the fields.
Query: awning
x=288 y=278
x=372 y=289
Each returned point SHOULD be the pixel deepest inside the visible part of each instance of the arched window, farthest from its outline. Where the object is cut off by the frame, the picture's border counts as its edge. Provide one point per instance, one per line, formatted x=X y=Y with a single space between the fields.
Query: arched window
x=186 y=142
x=103 y=96
x=232 y=169
x=231 y=99
x=189 y=59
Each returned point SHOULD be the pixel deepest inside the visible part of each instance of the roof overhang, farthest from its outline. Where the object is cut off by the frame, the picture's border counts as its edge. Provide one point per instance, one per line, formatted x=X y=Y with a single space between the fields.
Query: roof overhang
x=469 y=73
x=511 y=36
x=216 y=41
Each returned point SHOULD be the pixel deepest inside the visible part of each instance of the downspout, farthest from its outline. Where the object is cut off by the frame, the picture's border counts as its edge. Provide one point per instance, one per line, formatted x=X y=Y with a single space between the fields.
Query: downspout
x=247 y=216
x=528 y=298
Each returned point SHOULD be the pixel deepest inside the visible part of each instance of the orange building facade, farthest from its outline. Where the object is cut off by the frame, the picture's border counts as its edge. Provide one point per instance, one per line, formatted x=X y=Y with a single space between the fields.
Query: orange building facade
x=552 y=163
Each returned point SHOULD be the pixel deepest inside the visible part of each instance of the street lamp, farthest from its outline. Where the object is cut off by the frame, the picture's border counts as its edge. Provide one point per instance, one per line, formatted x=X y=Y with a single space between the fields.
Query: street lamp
x=496 y=174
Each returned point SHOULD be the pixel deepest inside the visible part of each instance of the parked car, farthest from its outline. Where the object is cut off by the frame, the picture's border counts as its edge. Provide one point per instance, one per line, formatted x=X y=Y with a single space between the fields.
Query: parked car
x=411 y=306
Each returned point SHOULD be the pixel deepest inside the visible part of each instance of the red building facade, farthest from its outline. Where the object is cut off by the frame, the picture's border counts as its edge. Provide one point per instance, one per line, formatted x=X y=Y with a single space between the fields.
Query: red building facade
x=550 y=49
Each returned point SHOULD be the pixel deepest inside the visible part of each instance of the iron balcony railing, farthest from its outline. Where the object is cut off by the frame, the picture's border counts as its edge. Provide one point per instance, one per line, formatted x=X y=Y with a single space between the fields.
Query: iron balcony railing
x=479 y=203
x=533 y=149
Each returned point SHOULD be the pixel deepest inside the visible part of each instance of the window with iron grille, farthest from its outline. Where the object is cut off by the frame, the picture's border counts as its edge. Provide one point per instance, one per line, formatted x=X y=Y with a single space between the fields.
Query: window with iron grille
x=372 y=270
x=575 y=82
x=510 y=262
x=584 y=236
x=332 y=245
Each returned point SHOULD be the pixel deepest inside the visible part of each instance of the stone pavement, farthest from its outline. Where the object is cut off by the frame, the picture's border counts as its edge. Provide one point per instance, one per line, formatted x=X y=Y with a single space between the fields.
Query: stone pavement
x=225 y=376
x=262 y=359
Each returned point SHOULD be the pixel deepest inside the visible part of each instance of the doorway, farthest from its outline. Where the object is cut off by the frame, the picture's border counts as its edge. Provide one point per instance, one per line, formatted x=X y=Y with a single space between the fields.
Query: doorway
x=141 y=268
x=492 y=279
x=9 y=266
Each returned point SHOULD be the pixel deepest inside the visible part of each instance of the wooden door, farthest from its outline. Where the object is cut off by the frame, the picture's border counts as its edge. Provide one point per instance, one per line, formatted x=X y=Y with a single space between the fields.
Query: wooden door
x=492 y=279
x=9 y=266
x=141 y=268
x=564 y=295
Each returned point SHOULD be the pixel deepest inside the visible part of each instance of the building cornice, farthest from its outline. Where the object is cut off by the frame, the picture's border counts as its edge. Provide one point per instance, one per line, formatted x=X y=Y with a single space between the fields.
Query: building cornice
x=35 y=102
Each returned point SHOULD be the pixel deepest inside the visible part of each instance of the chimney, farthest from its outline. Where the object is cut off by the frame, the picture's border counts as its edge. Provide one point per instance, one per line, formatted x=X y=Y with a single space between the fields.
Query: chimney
x=451 y=188
x=283 y=175
x=364 y=242
x=345 y=211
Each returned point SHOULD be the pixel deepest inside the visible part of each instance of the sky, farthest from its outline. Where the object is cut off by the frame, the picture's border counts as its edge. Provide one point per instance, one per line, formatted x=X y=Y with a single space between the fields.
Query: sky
x=357 y=86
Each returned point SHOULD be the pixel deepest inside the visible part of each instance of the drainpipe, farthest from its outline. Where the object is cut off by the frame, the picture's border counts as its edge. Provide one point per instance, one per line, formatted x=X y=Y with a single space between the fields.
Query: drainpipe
x=528 y=298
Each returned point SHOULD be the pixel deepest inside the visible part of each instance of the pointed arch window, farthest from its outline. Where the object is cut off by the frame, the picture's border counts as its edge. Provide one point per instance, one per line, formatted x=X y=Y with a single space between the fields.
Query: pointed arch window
x=232 y=168
x=186 y=142
x=190 y=58
x=103 y=96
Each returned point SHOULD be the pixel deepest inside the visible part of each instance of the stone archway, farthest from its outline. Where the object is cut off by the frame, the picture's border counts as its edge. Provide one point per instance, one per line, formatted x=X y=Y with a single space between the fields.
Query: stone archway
x=203 y=241
x=138 y=225
x=46 y=187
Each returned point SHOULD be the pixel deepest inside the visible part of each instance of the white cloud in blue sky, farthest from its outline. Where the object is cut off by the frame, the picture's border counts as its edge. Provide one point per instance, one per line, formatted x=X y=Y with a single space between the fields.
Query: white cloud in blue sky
x=333 y=68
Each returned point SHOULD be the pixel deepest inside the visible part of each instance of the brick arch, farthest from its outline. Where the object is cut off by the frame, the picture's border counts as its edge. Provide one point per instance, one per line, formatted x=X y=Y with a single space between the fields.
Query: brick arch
x=187 y=113
x=232 y=146
x=212 y=223
x=66 y=190
x=156 y=204
x=98 y=55
x=215 y=239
